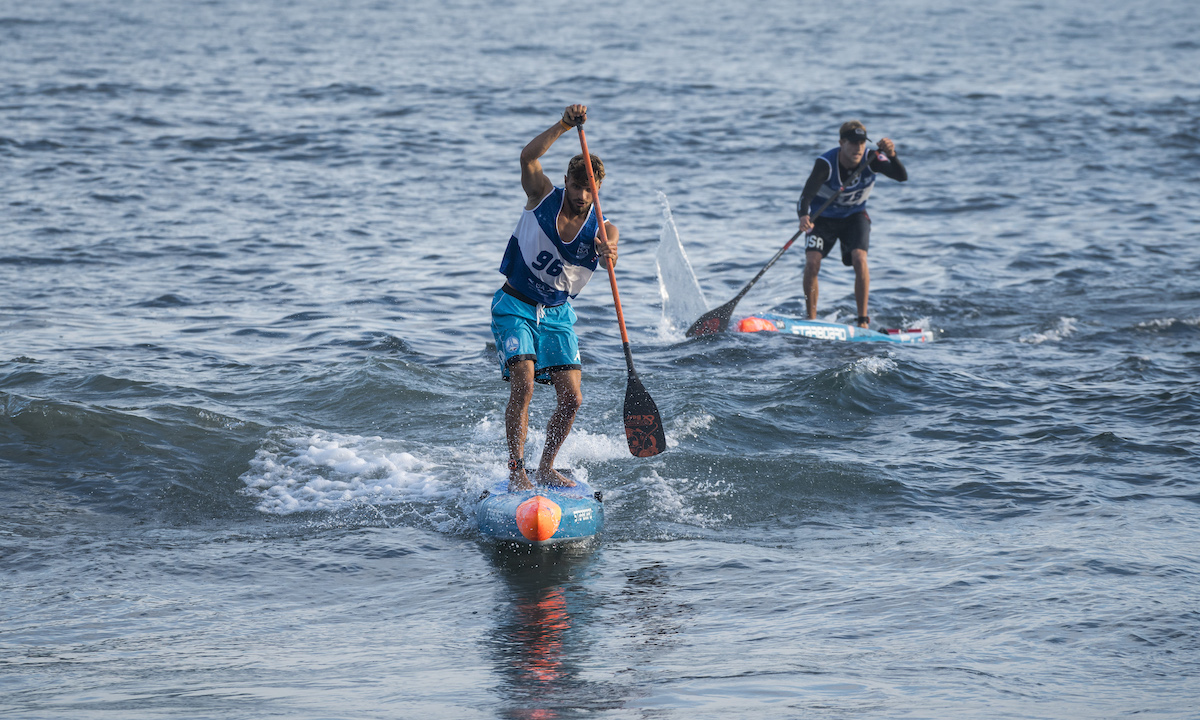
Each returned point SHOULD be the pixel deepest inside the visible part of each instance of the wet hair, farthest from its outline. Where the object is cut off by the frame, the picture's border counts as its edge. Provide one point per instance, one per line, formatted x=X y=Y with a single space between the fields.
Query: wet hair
x=577 y=172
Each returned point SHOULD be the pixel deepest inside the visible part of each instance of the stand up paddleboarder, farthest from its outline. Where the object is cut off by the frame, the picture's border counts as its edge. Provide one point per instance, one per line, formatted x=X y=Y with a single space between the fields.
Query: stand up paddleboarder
x=551 y=255
x=847 y=172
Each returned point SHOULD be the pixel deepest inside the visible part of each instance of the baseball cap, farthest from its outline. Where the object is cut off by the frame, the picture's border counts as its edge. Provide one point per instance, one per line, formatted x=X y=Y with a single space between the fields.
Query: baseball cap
x=855 y=134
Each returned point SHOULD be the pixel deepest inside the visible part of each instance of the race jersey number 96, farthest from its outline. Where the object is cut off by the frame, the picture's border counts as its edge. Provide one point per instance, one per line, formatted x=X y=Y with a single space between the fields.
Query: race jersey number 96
x=546 y=261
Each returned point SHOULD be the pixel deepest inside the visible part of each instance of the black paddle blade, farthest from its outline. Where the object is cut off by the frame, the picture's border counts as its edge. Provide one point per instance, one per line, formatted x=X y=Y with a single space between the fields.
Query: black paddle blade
x=712 y=322
x=643 y=424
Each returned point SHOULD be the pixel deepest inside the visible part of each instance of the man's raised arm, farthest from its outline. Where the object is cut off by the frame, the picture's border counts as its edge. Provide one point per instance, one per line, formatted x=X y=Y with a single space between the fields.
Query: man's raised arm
x=533 y=178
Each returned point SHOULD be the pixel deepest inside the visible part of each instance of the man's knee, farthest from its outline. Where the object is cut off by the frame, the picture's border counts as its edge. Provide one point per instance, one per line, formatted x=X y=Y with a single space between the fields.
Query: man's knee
x=812 y=263
x=570 y=402
x=520 y=380
x=567 y=386
x=570 y=398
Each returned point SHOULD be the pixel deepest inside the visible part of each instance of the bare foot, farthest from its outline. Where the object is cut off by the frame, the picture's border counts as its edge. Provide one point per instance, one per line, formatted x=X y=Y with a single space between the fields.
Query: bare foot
x=553 y=478
x=518 y=480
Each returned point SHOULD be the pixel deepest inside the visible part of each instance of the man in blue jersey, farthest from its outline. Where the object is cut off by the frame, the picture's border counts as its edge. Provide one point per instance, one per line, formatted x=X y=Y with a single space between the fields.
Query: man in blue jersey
x=847 y=174
x=552 y=253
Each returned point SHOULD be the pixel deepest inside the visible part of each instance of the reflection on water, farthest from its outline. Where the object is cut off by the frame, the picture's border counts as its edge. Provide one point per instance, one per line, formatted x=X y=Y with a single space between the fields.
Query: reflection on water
x=539 y=636
x=541 y=622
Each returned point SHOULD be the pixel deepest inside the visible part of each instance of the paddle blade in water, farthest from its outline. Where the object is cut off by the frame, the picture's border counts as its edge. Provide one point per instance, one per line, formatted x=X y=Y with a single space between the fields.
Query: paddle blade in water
x=643 y=424
x=712 y=322
x=716 y=321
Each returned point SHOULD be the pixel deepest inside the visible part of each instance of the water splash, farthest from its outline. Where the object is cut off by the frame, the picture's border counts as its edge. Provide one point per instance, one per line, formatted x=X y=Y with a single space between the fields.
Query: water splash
x=682 y=299
x=673 y=499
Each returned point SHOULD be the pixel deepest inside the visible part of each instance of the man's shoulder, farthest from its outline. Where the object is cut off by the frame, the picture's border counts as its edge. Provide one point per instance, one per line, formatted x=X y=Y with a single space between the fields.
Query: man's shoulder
x=536 y=203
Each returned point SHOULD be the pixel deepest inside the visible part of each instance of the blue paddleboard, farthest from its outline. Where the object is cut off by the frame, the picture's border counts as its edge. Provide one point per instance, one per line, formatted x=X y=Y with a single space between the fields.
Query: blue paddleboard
x=770 y=322
x=541 y=516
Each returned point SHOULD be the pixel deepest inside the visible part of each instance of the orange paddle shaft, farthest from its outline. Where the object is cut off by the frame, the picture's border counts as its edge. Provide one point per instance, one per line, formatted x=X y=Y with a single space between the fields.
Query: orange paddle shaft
x=612 y=275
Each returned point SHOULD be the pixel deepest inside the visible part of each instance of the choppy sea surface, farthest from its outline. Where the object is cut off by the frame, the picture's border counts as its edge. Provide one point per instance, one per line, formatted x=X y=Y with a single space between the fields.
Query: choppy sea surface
x=248 y=396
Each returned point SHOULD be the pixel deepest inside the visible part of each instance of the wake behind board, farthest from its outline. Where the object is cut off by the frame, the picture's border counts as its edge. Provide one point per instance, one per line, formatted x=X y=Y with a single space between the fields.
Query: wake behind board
x=543 y=515
x=771 y=322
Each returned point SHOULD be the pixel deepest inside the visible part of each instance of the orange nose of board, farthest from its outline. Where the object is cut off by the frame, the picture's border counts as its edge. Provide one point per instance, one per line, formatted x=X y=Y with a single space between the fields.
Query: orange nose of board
x=754 y=324
x=538 y=518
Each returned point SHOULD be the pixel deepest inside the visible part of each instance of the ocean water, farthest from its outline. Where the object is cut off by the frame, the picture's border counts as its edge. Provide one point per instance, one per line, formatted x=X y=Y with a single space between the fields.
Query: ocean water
x=248 y=396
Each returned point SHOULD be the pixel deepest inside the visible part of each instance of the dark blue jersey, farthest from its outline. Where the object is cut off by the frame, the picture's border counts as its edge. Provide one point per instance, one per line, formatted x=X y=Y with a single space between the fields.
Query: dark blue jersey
x=828 y=176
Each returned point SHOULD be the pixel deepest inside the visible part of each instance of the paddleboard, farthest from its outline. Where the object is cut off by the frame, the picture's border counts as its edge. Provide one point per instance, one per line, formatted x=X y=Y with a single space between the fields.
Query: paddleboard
x=543 y=515
x=771 y=322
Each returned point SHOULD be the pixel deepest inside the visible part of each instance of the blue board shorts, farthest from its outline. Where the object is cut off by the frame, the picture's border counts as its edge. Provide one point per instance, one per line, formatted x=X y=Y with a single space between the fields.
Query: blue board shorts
x=520 y=334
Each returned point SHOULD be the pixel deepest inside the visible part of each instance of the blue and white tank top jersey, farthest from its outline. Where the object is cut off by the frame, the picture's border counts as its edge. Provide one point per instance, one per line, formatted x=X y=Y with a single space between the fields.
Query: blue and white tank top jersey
x=539 y=264
x=854 y=198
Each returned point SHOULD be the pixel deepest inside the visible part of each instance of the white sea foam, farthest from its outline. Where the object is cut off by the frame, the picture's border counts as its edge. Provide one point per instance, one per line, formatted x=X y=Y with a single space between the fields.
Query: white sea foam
x=873 y=365
x=671 y=498
x=688 y=426
x=1157 y=324
x=327 y=471
x=924 y=323
x=1064 y=328
x=489 y=430
x=581 y=445
x=1163 y=323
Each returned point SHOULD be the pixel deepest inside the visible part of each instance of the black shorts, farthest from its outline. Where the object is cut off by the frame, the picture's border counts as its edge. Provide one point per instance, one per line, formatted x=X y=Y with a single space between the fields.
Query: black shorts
x=853 y=231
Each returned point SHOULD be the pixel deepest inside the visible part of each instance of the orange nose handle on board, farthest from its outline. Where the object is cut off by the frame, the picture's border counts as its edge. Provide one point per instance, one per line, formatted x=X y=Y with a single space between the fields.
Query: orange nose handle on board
x=538 y=518
x=754 y=324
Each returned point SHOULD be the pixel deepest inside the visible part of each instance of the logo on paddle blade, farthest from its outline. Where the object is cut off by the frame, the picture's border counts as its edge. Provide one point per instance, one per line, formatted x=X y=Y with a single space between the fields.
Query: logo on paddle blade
x=642 y=443
x=644 y=434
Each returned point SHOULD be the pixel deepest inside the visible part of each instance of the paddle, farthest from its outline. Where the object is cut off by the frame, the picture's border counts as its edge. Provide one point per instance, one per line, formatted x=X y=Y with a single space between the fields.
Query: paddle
x=643 y=424
x=717 y=319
